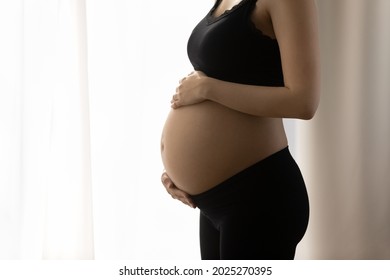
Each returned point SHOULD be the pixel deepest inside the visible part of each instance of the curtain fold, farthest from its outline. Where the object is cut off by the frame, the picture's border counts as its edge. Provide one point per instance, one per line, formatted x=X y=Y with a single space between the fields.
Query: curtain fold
x=10 y=121
x=345 y=150
x=45 y=161
x=68 y=232
x=58 y=141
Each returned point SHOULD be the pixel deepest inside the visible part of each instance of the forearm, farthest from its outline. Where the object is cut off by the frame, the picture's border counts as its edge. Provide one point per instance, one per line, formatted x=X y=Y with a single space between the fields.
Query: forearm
x=262 y=101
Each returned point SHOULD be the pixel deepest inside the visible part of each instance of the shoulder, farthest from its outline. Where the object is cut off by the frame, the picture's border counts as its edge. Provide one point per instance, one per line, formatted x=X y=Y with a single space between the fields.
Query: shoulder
x=286 y=7
x=293 y=4
x=286 y=18
x=290 y=8
x=293 y=17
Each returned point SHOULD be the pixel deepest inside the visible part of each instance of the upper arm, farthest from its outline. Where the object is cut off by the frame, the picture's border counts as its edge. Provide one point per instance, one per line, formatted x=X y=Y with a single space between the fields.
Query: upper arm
x=295 y=24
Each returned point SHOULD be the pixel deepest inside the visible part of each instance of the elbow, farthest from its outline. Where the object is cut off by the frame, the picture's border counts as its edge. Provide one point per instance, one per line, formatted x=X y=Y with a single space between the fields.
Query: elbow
x=308 y=113
x=308 y=110
x=304 y=103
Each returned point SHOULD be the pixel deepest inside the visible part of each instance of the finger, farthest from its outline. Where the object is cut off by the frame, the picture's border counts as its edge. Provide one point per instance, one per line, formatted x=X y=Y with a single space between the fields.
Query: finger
x=186 y=199
x=179 y=194
x=175 y=105
x=175 y=99
x=165 y=179
x=175 y=192
x=168 y=184
x=191 y=204
x=188 y=204
x=183 y=197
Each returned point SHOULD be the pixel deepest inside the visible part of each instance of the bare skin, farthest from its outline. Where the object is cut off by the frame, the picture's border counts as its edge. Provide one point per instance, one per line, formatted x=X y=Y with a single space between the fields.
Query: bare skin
x=213 y=133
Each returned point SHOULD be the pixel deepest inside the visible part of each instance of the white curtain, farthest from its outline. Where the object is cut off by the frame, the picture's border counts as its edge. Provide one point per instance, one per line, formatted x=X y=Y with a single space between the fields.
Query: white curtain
x=345 y=150
x=45 y=154
x=84 y=90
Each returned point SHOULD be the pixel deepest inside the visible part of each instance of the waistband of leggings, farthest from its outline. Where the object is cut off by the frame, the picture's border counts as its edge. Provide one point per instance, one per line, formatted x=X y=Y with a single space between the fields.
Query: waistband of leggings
x=229 y=185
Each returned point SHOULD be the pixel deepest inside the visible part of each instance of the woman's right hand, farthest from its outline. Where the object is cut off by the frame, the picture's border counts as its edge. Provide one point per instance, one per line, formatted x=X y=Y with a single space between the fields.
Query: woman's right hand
x=175 y=192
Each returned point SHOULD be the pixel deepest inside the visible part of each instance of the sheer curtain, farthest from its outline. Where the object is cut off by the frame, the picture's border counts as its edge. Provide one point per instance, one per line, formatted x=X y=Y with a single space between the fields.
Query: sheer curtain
x=45 y=155
x=84 y=90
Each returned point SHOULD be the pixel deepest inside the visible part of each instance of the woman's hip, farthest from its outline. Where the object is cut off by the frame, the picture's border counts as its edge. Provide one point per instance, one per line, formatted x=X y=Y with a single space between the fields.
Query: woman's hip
x=275 y=182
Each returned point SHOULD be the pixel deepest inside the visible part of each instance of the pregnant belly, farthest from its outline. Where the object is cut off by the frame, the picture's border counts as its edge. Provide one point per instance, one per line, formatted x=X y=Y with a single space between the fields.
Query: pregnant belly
x=204 y=144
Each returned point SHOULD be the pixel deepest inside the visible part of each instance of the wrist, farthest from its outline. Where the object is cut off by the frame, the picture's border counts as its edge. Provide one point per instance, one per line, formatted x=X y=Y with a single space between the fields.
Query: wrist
x=206 y=91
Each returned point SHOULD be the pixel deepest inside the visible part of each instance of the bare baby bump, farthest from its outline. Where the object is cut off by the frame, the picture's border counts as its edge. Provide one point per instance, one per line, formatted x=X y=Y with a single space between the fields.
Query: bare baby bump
x=204 y=144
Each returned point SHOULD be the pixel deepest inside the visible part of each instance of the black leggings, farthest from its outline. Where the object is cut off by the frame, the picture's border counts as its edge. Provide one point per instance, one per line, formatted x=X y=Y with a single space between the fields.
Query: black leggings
x=260 y=213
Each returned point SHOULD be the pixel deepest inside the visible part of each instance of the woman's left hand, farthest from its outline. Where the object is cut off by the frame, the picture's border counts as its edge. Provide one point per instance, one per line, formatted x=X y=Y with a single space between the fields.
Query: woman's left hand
x=175 y=192
x=191 y=90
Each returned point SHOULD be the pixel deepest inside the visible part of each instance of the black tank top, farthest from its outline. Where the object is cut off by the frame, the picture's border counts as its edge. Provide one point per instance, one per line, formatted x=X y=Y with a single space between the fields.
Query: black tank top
x=230 y=48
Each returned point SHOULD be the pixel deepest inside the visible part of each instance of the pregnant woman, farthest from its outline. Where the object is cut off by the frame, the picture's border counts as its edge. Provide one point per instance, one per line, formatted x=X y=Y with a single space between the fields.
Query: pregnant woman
x=224 y=147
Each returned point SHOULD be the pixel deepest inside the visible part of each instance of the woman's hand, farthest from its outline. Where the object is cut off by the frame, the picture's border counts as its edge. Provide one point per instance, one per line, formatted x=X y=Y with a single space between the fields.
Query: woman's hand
x=175 y=192
x=191 y=90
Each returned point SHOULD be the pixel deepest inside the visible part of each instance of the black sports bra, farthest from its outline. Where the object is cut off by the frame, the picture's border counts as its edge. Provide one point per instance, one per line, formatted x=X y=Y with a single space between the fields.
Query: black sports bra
x=230 y=48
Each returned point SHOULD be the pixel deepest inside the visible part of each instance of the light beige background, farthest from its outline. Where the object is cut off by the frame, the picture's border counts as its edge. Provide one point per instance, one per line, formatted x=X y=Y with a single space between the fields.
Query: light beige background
x=345 y=151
